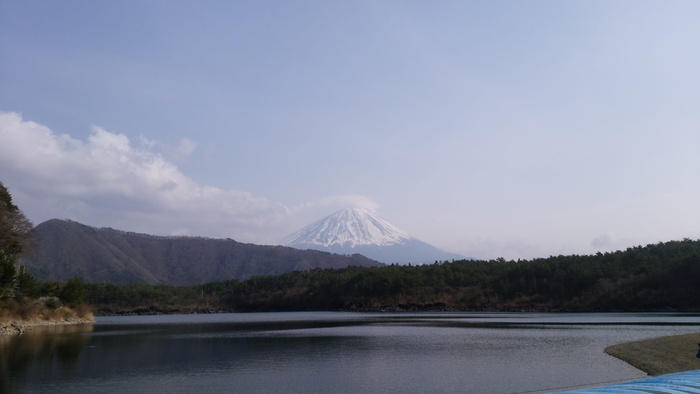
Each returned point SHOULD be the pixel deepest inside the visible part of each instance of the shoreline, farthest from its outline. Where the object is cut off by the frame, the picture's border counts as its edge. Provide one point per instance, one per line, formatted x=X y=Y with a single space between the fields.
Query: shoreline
x=660 y=356
x=11 y=328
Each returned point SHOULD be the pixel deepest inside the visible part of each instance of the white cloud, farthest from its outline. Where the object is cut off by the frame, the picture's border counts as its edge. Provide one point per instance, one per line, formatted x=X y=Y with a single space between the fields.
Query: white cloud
x=106 y=181
x=185 y=148
x=147 y=142
x=604 y=241
x=177 y=153
x=339 y=202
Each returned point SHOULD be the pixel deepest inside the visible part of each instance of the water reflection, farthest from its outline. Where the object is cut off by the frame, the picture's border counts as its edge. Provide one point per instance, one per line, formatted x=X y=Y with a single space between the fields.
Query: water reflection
x=329 y=352
x=59 y=346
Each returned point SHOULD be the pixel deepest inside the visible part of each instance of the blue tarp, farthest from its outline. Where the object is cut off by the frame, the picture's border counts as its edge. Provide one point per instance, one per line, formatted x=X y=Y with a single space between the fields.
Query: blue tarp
x=681 y=382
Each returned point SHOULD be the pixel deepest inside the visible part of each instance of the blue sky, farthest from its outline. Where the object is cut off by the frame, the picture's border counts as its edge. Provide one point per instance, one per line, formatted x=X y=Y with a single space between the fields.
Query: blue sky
x=498 y=128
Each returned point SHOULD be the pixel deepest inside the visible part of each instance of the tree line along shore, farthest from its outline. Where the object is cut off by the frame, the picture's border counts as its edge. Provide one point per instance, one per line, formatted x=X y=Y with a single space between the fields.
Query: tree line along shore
x=24 y=301
x=44 y=304
x=658 y=277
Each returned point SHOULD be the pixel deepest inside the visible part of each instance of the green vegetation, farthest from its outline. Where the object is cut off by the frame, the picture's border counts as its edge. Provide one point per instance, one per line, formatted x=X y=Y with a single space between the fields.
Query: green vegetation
x=15 y=229
x=657 y=277
x=23 y=298
x=8 y=273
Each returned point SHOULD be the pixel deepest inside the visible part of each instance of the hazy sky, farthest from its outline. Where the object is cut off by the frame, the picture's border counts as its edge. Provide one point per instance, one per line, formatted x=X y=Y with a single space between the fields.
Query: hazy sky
x=488 y=128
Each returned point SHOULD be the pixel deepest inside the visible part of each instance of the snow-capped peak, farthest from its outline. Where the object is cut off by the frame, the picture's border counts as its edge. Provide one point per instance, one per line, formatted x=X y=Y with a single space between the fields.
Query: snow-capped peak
x=349 y=227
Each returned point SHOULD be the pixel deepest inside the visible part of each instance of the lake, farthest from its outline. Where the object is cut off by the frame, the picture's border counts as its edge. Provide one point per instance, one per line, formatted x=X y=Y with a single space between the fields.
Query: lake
x=331 y=352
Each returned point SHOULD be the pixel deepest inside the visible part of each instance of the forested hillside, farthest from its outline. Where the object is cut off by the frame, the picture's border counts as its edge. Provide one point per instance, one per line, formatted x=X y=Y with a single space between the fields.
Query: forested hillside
x=657 y=277
x=65 y=249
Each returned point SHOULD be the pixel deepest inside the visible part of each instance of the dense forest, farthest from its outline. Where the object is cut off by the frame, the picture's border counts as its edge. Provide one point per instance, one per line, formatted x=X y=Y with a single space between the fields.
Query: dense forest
x=657 y=277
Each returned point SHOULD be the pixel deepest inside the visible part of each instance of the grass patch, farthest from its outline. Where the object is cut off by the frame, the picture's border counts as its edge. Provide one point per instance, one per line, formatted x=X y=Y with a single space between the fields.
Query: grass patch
x=660 y=356
x=33 y=311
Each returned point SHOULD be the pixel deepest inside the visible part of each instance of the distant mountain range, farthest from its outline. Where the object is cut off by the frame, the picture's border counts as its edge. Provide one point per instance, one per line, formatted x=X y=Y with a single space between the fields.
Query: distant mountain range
x=363 y=231
x=64 y=249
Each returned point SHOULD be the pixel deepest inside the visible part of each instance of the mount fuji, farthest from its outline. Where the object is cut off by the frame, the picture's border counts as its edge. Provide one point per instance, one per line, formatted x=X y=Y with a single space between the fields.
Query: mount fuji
x=363 y=231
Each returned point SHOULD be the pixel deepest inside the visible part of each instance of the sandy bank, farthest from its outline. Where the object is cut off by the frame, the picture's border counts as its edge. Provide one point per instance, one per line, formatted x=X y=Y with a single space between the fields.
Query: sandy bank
x=16 y=328
x=660 y=356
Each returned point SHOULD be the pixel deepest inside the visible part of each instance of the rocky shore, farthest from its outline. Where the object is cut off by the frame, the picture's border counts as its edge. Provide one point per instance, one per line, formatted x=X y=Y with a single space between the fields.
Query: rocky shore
x=660 y=356
x=20 y=327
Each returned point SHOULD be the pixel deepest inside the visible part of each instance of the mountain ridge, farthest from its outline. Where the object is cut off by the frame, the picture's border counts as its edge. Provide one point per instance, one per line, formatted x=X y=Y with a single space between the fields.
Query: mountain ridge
x=65 y=249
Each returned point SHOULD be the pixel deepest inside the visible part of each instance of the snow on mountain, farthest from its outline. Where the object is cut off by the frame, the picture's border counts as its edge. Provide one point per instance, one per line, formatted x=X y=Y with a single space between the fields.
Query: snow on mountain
x=349 y=227
x=363 y=231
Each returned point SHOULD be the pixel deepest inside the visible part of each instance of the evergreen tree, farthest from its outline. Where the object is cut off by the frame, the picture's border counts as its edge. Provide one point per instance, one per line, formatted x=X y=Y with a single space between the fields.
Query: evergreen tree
x=73 y=293
x=8 y=274
x=26 y=285
x=15 y=230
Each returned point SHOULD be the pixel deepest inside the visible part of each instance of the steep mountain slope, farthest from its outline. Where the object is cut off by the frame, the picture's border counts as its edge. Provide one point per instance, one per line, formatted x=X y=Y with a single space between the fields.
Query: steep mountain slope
x=359 y=230
x=65 y=249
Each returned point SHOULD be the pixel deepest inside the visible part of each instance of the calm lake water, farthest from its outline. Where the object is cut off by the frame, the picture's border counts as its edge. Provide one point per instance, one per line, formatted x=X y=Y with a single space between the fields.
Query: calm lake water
x=331 y=352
